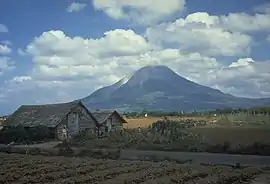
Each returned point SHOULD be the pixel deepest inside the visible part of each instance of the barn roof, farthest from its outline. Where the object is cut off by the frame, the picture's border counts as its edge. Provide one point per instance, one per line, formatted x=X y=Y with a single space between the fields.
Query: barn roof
x=34 y=115
x=102 y=116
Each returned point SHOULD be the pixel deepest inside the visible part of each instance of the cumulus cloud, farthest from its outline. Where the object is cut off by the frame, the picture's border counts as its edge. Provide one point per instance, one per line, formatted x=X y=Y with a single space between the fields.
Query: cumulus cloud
x=75 y=7
x=5 y=49
x=244 y=22
x=68 y=68
x=6 y=64
x=199 y=32
x=140 y=11
x=3 y=28
x=245 y=77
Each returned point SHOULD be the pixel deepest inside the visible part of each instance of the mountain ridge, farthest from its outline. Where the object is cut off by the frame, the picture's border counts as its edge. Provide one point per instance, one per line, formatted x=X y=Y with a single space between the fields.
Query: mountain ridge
x=160 y=88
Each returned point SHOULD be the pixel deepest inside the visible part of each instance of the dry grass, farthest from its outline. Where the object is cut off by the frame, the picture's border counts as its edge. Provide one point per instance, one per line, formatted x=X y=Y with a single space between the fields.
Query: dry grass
x=54 y=170
x=145 y=122
x=234 y=135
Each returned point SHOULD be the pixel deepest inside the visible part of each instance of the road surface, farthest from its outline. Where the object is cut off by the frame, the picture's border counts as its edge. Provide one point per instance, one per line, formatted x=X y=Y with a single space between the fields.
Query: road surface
x=204 y=158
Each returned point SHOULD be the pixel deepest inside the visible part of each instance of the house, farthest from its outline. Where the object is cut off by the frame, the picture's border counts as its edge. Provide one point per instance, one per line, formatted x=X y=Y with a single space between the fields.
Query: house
x=109 y=120
x=71 y=118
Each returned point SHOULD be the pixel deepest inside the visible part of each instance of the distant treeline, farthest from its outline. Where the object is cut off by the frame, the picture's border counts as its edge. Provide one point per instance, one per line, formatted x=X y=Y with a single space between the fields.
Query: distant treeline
x=217 y=112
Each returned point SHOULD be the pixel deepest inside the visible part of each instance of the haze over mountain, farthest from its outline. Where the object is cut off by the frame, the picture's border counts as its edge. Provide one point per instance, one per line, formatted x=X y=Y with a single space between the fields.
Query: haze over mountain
x=160 y=88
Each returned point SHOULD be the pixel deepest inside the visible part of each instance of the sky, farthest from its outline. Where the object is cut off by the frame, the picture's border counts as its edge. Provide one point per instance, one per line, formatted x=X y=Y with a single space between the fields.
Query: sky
x=57 y=51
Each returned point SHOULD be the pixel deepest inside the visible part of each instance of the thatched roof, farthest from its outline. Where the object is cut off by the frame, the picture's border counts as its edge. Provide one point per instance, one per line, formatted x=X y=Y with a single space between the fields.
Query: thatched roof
x=102 y=116
x=35 y=115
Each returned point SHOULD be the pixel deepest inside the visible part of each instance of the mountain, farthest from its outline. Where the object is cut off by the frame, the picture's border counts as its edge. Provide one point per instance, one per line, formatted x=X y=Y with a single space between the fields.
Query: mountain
x=159 y=88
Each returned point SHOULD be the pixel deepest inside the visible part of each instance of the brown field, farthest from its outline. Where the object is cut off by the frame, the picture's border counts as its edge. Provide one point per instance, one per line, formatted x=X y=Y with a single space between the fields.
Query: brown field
x=234 y=135
x=54 y=170
x=145 y=122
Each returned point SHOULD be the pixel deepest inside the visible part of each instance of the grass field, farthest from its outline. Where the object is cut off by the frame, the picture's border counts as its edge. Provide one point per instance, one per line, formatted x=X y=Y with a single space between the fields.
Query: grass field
x=234 y=135
x=145 y=122
x=237 y=130
x=234 y=119
x=54 y=170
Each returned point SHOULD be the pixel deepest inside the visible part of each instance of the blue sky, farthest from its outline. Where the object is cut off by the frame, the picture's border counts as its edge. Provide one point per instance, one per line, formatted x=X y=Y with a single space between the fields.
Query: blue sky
x=55 y=51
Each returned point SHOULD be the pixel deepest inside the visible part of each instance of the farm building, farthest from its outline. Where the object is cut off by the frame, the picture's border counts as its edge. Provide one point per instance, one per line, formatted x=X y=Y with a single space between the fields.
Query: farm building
x=2 y=119
x=63 y=120
x=109 y=120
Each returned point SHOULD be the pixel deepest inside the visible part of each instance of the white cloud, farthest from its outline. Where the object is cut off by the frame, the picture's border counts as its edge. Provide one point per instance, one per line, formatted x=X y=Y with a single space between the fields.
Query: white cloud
x=236 y=22
x=75 y=7
x=242 y=62
x=79 y=51
x=5 y=64
x=198 y=32
x=67 y=68
x=244 y=77
x=4 y=49
x=246 y=23
x=3 y=28
x=20 y=79
x=140 y=11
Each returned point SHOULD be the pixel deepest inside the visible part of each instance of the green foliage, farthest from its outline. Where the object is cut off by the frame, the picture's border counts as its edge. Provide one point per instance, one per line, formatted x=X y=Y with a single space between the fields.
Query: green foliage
x=174 y=126
x=39 y=133
x=13 y=134
x=21 y=135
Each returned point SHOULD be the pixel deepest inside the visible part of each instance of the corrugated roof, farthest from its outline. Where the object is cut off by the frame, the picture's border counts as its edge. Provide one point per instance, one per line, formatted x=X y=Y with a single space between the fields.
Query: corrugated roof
x=34 y=115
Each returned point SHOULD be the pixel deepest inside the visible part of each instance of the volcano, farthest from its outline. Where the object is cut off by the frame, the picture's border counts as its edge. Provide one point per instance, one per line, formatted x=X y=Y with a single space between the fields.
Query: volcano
x=159 y=88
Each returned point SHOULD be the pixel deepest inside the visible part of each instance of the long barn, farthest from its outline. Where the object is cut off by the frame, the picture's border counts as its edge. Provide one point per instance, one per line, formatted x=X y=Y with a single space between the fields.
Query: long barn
x=73 y=116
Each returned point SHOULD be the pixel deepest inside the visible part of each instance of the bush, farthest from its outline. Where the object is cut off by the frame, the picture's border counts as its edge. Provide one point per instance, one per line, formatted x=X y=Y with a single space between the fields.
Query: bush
x=38 y=133
x=13 y=134
x=21 y=135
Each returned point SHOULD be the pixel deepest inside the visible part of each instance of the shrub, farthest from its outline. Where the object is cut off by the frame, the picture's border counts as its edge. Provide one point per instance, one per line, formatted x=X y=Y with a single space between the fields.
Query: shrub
x=38 y=133
x=13 y=134
x=21 y=135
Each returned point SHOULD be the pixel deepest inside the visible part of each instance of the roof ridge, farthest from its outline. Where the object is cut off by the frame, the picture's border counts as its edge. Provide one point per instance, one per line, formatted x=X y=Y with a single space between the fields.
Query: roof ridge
x=42 y=105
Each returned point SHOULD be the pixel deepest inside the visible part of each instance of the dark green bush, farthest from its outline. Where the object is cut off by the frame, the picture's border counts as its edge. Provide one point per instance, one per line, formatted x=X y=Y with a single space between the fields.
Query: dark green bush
x=20 y=134
x=13 y=134
x=38 y=133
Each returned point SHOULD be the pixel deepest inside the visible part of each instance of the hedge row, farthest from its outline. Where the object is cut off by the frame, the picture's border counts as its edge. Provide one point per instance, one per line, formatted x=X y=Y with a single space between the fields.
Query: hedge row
x=20 y=134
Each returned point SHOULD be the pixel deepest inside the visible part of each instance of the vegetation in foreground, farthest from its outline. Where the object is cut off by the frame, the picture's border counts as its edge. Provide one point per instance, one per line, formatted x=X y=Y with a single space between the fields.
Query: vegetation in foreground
x=39 y=169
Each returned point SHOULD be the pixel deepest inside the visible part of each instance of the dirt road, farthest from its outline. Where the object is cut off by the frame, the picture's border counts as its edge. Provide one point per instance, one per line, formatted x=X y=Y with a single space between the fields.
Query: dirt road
x=204 y=158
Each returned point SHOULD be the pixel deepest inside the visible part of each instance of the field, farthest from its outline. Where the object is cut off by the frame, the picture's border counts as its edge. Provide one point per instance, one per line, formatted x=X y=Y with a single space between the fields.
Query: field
x=54 y=170
x=234 y=135
x=145 y=122
x=234 y=129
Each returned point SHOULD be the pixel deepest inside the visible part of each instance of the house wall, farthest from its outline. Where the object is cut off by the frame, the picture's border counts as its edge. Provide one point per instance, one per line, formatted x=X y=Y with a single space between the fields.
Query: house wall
x=73 y=124
x=83 y=122
x=86 y=122
x=117 y=124
x=116 y=121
